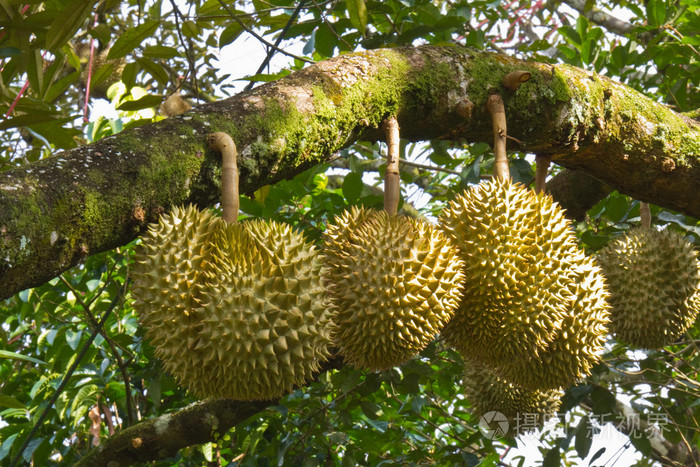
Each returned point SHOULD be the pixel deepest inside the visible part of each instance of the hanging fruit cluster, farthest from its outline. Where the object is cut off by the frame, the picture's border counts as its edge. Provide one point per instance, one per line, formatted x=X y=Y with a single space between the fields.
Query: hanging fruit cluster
x=251 y=310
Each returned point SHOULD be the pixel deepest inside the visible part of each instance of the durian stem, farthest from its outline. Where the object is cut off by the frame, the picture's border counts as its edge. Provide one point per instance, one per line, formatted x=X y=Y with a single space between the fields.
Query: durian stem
x=221 y=142
x=514 y=79
x=392 y=179
x=495 y=106
x=645 y=214
x=541 y=172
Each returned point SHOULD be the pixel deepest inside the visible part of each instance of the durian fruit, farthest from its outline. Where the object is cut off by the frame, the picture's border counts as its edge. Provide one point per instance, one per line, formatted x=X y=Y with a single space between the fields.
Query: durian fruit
x=654 y=281
x=233 y=310
x=171 y=259
x=395 y=282
x=265 y=324
x=525 y=410
x=526 y=283
x=577 y=346
x=104 y=72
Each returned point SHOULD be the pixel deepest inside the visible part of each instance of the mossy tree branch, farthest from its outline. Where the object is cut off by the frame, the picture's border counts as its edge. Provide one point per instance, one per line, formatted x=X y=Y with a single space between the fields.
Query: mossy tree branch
x=162 y=437
x=56 y=211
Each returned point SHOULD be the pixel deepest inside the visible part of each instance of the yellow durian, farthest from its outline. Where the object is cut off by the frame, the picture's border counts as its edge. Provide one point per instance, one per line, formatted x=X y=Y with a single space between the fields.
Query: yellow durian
x=527 y=283
x=524 y=410
x=233 y=310
x=395 y=282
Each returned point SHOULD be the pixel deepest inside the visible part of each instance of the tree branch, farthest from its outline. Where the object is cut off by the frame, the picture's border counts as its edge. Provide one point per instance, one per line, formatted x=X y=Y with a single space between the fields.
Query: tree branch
x=163 y=436
x=601 y=18
x=577 y=192
x=56 y=211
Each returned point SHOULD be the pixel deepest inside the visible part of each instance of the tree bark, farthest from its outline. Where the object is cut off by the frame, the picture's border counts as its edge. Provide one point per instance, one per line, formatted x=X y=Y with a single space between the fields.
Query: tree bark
x=56 y=211
x=162 y=437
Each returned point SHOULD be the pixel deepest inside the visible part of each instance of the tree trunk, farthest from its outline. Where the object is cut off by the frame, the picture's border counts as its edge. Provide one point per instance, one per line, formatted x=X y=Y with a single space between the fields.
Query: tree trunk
x=56 y=211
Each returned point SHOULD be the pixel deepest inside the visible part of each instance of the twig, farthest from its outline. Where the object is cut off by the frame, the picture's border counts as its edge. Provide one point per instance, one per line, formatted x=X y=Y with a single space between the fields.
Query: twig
x=259 y=37
x=271 y=52
x=67 y=376
x=330 y=26
x=188 y=48
x=120 y=362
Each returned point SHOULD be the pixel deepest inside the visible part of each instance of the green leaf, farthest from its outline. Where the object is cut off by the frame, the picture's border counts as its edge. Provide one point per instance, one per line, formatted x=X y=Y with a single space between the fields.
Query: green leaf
x=35 y=70
x=326 y=40
x=155 y=69
x=584 y=437
x=31 y=447
x=208 y=451
x=603 y=401
x=146 y=102
x=11 y=402
x=521 y=171
x=160 y=51
x=132 y=38
x=641 y=442
x=371 y=410
x=616 y=208
x=230 y=34
x=190 y=29
x=10 y=52
x=67 y=22
x=129 y=74
x=357 y=10
x=59 y=87
x=595 y=456
x=7 y=445
x=656 y=13
x=16 y=356
x=101 y=32
x=582 y=27
x=352 y=187
x=552 y=458
x=86 y=398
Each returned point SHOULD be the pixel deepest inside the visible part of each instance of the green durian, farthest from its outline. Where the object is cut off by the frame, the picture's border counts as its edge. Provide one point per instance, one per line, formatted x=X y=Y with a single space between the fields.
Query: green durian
x=654 y=281
x=233 y=310
x=526 y=285
x=524 y=409
x=172 y=257
x=395 y=282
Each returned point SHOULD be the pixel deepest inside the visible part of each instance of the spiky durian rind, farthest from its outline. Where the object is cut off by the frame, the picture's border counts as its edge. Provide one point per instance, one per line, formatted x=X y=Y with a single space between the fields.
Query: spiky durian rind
x=527 y=284
x=518 y=250
x=578 y=345
x=171 y=259
x=525 y=409
x=395 y=282
x=236 y=311
x=654 y=281
x=265 y=324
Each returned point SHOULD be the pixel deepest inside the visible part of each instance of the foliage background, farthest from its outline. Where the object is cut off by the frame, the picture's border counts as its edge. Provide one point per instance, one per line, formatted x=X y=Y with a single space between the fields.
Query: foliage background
x=413 y=415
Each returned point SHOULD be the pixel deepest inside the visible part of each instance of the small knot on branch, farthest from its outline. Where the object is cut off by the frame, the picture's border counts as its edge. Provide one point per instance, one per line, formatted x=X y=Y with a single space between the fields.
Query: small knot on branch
x=514 y=79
